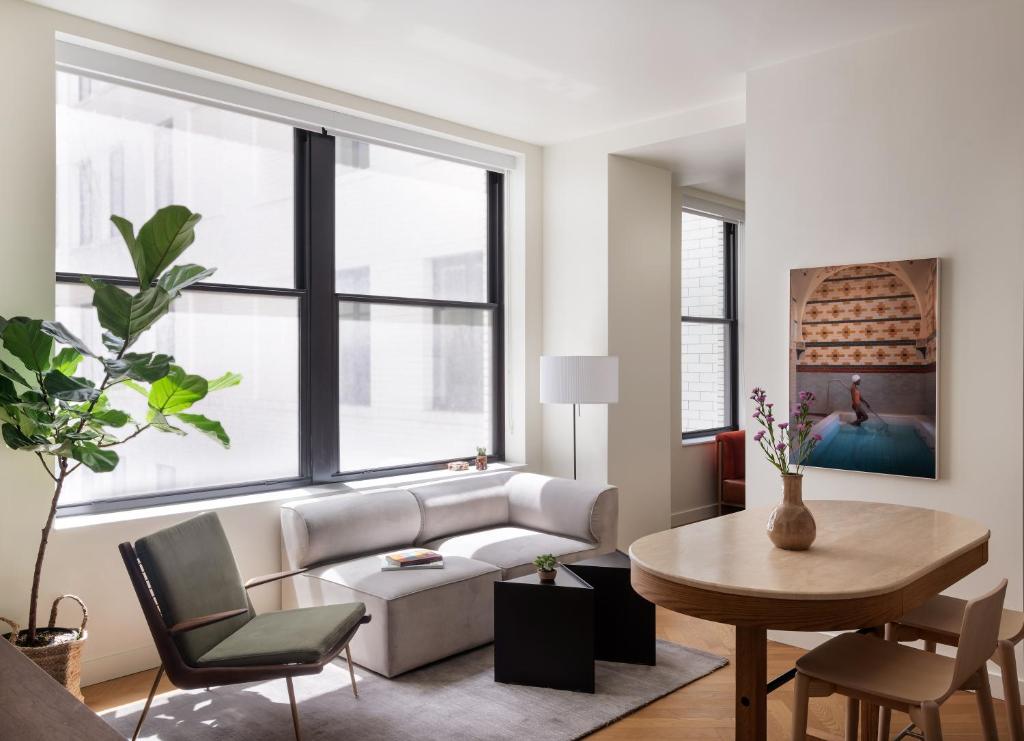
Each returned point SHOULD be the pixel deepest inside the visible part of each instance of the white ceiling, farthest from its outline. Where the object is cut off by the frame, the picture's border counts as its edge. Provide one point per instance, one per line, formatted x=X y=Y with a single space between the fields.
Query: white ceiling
x=538 y=70
x=713 y=161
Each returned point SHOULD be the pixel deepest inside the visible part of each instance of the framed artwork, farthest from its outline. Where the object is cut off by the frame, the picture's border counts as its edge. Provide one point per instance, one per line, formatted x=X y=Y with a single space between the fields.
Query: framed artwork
x=864 y=340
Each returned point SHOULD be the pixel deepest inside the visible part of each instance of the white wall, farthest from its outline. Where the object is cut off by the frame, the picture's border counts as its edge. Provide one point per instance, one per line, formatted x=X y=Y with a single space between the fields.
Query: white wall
x=640 y=328
x=84 y=559
x=910 y=145
x=594 y=288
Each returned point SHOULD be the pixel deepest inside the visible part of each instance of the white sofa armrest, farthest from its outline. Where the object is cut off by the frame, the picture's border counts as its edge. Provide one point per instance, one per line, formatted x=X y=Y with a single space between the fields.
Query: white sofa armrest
x=575 y=509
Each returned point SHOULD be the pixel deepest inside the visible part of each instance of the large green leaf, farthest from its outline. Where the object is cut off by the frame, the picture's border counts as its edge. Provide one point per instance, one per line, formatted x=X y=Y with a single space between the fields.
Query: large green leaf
x=163 y=238
x=226 y=381
x=67 y=361
x=180 y=277
x=134 y=249
x=62 y=334
x=158 y=421
x=8 y=394
x=147 y=367
x=9 y=372
x=17 y=440
x=125 y=315
x=24 y=339
x=68 y=388
x=112 y=342
x=98 y=459
x=111 y=417
x=177 y=391
x=210 y=427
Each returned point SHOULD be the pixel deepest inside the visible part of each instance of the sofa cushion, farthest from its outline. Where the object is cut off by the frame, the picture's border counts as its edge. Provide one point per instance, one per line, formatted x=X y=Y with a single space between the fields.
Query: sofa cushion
x=419 y=616
x=512 y=549
x=331 y=528
x=302 y=636
x=365 y=575
x=462 y=504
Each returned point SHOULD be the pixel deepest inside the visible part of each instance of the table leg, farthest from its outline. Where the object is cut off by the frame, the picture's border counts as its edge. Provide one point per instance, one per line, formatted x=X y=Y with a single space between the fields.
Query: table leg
x=751 y=680
x=868 y=721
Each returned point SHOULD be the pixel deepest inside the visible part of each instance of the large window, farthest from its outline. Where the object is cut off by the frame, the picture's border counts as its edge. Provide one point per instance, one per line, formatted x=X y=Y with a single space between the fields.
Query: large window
x=358 y=292
x=709 y=338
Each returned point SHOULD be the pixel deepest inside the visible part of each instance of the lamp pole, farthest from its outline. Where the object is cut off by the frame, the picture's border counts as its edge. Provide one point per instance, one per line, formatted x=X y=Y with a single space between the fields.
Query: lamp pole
x=573 y=442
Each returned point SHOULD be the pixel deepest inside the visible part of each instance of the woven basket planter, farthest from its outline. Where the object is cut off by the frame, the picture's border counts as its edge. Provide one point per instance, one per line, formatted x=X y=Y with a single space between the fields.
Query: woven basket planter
x=61 y=660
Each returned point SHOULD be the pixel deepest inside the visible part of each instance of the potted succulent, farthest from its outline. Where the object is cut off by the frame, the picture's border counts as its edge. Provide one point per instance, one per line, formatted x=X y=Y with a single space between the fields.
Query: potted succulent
x=66 y=418
x=547 y=568
x=481 y=459
x=790 y=525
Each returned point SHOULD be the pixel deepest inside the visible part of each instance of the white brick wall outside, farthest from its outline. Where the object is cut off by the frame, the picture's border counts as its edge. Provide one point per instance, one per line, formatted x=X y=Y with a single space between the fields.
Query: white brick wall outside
x=704 y=346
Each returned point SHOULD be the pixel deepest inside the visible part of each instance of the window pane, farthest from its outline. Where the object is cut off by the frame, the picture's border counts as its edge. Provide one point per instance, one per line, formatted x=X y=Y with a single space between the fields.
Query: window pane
x=705 y=366
x=703 y=267
x=415 y=384
x=208 y=334
x=130 y=152
x=419 y=223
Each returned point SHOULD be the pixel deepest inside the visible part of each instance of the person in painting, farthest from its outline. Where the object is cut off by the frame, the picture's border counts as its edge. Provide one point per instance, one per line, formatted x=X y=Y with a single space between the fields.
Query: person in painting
x=858 y=402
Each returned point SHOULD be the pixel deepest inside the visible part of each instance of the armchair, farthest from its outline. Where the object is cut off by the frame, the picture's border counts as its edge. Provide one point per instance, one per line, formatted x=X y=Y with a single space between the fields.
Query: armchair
x=202 y=621
x=730 y=473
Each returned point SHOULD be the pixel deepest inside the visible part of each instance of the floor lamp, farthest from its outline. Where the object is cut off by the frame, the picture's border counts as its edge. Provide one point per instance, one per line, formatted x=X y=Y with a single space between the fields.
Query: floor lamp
x=578 y=379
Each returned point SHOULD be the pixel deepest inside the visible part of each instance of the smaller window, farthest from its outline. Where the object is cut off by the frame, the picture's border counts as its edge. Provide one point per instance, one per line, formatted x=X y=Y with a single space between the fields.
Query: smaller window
x=709 y=340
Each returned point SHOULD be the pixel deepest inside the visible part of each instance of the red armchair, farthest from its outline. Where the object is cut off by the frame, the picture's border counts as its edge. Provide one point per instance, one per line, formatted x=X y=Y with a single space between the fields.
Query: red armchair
x=731 y=471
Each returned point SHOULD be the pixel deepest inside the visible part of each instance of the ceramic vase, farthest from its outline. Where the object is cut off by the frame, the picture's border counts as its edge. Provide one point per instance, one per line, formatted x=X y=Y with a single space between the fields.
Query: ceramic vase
x=791 y=525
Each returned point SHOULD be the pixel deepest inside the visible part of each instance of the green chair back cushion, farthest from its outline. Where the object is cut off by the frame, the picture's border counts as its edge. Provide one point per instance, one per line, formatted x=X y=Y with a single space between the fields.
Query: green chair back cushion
x=193 y=573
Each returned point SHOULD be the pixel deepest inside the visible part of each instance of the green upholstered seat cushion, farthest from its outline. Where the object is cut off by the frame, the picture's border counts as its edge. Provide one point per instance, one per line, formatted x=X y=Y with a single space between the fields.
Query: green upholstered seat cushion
x=302 y=636
x=192 y=573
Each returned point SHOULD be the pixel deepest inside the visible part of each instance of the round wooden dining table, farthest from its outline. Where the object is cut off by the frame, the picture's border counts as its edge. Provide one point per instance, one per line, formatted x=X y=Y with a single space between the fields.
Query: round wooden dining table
x=869 y=565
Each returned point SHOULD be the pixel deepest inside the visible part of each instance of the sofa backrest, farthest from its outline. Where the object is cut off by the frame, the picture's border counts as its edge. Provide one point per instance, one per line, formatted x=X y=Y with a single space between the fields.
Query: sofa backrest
x=462 y=504
x=343 y=526
x=576 y=509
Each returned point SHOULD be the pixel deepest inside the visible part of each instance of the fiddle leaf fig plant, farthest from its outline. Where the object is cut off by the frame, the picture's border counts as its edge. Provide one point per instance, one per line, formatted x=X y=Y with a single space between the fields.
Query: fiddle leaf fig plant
x=66 y=419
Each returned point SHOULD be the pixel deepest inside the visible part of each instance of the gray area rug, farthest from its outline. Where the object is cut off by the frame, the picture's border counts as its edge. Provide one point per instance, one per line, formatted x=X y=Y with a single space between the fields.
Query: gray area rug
x=452 y=699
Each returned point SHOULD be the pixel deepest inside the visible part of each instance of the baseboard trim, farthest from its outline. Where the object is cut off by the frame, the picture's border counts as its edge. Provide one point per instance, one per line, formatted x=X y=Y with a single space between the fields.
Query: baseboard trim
x=813 y=640
x=694 y=514
x=120 y=664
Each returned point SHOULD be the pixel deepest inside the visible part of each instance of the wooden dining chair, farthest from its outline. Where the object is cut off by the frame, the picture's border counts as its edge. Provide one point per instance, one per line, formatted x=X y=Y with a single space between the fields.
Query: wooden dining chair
x=939 y=621
x=891 y=675
x=202 y=621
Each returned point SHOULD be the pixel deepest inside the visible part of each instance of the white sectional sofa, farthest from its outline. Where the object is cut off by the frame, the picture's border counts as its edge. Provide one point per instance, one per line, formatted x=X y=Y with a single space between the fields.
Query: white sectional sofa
x=489 y=527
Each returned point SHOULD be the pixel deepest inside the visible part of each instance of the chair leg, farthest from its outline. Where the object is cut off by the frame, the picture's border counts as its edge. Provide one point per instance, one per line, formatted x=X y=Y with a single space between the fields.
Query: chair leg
x=351 y=672
x=149 y=701
x=852 y=718
x=1011 y=690
x=800 y=701
x=884 y=713
x=295 y=710
x=929 y=722
x=983 y=694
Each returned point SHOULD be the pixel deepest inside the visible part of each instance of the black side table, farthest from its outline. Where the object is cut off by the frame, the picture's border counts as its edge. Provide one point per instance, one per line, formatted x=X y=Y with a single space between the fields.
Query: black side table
x=624 y=619
x=544 y=633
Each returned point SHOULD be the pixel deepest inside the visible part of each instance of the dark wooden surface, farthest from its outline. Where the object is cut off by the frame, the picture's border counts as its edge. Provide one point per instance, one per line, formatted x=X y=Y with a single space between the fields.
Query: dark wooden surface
x=624 y=621
x=34 y=706
x=544 y=633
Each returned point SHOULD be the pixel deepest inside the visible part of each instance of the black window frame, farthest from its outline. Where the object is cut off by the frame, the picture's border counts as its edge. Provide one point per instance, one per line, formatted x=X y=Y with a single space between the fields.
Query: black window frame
x=730 y=320
x=319 y=379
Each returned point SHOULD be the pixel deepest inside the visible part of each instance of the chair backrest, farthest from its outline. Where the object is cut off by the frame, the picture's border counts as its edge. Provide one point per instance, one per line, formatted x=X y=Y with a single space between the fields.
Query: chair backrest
x=978 y=634
x=192 y=573
x=731 y=445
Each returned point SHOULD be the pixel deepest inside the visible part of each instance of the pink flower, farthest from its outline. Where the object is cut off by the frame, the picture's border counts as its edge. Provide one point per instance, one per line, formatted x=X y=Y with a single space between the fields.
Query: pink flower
x=817 y=437
x=769 y=419
x=780 y=446
x=758 y=436
x=783 y=425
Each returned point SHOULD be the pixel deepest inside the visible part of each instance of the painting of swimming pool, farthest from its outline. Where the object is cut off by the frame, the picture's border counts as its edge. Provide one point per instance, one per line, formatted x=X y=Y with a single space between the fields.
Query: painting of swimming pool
x=864 y=340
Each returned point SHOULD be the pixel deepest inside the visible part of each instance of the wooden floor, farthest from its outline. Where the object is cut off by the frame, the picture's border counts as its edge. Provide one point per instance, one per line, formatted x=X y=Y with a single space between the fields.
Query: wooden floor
x=702 y=710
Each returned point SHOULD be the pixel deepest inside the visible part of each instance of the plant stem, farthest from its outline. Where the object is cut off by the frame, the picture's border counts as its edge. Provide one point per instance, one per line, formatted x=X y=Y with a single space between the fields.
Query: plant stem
x=62 y=463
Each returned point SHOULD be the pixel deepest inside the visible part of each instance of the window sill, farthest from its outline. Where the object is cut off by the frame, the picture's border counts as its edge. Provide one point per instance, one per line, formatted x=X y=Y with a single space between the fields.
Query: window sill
x=698 y=441
x=317 y=490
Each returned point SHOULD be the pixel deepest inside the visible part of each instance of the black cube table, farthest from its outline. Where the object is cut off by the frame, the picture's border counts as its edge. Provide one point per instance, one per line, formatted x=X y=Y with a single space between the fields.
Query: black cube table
x=544 y=633
x=624 y=621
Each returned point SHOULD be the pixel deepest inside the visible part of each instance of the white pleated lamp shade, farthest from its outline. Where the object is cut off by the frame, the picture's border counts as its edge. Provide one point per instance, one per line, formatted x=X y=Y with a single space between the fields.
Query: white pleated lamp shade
x=579 y=379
